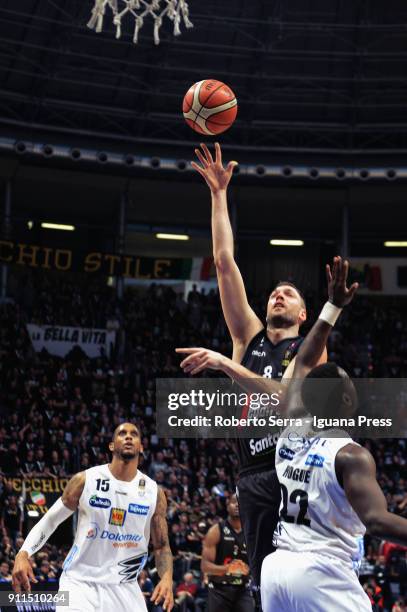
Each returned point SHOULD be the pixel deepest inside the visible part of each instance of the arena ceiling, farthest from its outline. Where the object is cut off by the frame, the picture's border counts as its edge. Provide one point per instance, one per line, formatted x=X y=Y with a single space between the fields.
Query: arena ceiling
x=309 y=75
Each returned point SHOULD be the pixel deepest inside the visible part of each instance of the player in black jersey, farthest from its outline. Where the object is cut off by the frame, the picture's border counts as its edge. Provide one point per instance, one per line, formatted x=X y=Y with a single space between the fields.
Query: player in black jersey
x=224 y=560
x=268 y=352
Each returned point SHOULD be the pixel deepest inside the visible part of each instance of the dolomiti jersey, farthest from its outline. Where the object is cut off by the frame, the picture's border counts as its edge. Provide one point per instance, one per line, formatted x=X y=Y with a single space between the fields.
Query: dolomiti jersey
x=113 y=533
x=315 y=515
x=270 y=361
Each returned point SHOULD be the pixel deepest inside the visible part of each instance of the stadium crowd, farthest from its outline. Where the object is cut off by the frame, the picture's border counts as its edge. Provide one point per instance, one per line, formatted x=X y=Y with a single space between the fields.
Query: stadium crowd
x=58 y=414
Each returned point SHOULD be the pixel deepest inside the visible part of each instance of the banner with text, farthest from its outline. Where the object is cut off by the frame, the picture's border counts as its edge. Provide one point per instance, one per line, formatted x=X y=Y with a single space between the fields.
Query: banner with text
x=60 y=340
x=39 y=493
x=109 y=264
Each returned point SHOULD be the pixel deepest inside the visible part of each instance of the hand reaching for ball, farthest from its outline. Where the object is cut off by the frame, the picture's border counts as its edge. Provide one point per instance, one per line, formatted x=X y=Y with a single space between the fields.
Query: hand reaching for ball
x=237 y=567
x=216 y=176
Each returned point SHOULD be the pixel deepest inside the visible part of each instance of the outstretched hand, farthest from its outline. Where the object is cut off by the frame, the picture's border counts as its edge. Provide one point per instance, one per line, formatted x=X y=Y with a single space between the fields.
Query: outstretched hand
x=163 y=594
x=339 y=294
x=216 y=176
x=200 y=359
x=23 y=573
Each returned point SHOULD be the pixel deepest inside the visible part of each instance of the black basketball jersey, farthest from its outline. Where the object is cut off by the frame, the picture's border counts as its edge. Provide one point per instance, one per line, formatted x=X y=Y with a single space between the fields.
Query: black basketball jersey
x=231 y=546
x=270 y=361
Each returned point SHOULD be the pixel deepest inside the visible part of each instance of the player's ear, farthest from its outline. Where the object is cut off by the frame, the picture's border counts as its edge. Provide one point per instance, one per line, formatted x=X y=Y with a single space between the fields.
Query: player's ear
x=111 y=446
x=302 y=317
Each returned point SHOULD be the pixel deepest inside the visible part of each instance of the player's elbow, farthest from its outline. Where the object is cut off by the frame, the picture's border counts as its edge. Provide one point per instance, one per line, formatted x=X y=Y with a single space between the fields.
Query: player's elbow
x=223 y=259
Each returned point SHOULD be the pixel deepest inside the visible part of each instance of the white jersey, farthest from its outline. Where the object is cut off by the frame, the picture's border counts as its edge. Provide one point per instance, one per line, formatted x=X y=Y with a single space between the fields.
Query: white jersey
x=111 y=543
x=315 y=515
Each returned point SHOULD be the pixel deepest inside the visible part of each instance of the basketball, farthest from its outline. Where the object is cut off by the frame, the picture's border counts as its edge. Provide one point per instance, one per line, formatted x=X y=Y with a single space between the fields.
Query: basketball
x=210 y=107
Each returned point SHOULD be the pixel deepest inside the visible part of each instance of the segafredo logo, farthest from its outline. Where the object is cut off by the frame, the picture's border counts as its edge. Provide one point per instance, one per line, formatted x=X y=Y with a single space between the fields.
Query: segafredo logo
x=99 y=502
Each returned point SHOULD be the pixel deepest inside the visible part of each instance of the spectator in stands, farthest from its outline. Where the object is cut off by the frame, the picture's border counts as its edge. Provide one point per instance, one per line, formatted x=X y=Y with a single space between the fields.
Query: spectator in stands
x=11 y=519
x=5 y=574
x=186 y=592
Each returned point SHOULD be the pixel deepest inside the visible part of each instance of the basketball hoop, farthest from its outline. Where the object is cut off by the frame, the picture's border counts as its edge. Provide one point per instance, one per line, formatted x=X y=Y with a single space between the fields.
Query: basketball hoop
x=176 y=10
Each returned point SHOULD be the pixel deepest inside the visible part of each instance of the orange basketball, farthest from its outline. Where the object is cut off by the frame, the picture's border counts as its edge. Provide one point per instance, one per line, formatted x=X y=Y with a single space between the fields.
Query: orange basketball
x=209 y=107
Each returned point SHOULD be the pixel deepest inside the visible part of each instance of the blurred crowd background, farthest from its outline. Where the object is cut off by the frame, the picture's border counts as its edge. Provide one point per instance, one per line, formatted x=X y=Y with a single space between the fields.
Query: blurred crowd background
x=58 y=414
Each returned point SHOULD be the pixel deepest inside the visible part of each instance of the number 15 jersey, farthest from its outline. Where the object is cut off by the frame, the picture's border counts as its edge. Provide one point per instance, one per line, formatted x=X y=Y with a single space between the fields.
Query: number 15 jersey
x=111 y=543
x=315 y=515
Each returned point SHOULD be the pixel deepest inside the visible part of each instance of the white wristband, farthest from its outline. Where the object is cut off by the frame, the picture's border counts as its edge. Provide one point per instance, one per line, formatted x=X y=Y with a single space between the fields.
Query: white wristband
x=330 y=313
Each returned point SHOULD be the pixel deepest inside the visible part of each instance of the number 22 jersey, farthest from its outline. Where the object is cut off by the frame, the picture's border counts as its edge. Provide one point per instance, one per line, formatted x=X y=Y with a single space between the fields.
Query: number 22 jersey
x=111 y=543
x=315 y=514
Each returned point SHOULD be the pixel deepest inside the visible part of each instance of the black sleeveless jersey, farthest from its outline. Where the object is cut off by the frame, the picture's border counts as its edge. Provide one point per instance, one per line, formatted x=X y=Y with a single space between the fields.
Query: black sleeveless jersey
x=270 y=361
x=231 y=546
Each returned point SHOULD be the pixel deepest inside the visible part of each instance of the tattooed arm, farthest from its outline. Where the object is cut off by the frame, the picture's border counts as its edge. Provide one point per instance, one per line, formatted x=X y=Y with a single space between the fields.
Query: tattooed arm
x=162 y=553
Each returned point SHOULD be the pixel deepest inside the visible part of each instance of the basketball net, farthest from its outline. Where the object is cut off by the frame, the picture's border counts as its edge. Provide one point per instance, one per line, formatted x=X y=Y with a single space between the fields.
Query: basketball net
x=176 y=10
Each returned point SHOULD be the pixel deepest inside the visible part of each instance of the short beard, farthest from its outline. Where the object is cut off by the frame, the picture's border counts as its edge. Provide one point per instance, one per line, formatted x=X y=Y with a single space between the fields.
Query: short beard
x=128 y=455
x=280 y=321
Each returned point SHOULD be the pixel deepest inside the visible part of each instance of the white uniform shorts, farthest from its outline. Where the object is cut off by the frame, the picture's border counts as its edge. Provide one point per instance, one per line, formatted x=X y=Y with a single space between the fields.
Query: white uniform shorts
x=96 y=597
x=310 y=582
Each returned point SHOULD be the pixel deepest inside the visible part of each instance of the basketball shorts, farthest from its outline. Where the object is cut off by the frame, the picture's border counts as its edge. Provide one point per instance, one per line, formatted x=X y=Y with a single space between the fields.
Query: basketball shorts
x=98 y=597
x=310 y=582
x=229 y=598
x=259 y=503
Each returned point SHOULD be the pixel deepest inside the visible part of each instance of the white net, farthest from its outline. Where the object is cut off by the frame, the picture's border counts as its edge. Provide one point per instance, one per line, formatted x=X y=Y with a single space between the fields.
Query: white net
x=175 y=10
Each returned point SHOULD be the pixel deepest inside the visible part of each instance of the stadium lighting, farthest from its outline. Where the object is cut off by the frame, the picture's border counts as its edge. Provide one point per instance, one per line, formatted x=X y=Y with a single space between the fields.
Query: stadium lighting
x=58 y=226
x=30 y=224
x=281 y=242
x=172 y=236
x=395 y=243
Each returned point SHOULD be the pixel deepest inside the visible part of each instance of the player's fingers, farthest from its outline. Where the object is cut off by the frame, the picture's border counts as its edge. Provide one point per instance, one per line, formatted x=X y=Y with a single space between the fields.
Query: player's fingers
x=344 y=271
x=201 y=158
x=167 y=599
x=353 y=289
x=198 y=367
x=26 y=583
x=15 y=584
x=208 y=154
x=170 y=605
x=32 y=575
x=328 y=273
x=218 y=151
x=190 y=358
x=193 y=364
x=198 y=168
x=231 y=165
x=156 y=593
x=188 y=350
x=201 y=367
x=335 y=268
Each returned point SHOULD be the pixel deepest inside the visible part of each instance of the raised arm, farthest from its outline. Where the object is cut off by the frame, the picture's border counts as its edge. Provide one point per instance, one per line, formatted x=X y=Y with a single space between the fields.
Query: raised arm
x=162 y=554
x=339 y=295
x=62 y=509
x=241 y=320
x=356 y=471
x=314 y=345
